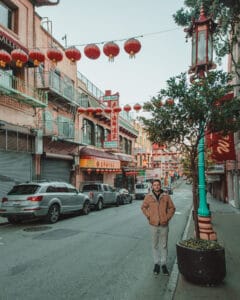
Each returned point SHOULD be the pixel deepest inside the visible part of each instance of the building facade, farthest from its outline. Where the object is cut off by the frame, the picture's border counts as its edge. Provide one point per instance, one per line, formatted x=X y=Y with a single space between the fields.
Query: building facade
x=43 y=133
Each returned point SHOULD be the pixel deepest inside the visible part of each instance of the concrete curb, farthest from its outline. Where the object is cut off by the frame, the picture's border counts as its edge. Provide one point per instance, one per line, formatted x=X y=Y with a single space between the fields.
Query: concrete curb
x=172 y=282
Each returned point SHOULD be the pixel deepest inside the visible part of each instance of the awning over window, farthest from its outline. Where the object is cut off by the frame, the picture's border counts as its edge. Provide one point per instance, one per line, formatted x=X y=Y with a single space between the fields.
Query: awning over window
x=97 y=159
x=125 y=157
x=85 y=151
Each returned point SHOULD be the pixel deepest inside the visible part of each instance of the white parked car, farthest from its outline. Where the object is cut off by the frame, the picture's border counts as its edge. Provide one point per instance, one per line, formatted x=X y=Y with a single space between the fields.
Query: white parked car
x=43 y=200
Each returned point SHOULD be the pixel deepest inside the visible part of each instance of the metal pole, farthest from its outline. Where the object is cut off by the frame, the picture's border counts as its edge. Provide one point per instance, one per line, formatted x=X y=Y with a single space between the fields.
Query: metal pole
x=203 y=210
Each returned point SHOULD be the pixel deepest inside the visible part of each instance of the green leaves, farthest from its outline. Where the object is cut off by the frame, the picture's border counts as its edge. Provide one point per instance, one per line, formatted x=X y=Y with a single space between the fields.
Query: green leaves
x=193 y=104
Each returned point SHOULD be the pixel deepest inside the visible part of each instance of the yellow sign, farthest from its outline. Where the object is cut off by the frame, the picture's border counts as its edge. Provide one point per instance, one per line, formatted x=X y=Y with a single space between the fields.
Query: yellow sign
x=99 y=163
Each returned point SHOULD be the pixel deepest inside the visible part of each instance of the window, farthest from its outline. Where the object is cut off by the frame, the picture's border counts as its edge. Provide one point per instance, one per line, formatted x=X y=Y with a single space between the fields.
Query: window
x=6 y=16
x=99 y=136
x=23 y=189
x=72 y=190
x=105 y=187
x=48 y=122
x=88 y=132
x=65 y=127
x=90 y=187
x=61 y=189
x=51 y=189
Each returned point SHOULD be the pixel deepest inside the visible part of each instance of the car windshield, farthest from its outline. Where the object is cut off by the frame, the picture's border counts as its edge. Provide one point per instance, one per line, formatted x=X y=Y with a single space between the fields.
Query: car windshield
x=90 y=187
x=24 y=189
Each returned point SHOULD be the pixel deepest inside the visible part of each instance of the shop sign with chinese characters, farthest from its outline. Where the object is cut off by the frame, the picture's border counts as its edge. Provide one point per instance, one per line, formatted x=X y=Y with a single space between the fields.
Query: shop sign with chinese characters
x=99 y=163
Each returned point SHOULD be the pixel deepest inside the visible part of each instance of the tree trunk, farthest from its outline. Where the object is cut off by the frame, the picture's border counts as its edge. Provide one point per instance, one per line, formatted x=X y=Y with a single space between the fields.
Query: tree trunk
x=195 y=196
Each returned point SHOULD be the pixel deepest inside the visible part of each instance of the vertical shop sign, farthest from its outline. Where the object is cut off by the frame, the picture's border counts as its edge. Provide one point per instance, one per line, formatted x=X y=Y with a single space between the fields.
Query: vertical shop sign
x=113 y=102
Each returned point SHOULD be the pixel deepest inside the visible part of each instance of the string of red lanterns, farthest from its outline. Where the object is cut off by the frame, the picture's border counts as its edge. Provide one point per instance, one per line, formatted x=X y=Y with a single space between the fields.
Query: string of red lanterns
x=98 y=110
x=92 y=51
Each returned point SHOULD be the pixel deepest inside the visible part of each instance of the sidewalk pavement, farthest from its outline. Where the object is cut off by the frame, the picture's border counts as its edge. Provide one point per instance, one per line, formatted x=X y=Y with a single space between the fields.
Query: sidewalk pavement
x=226 y=223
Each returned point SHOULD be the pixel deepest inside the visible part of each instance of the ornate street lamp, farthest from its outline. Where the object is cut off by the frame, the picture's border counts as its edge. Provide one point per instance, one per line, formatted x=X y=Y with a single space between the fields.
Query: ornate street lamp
x=201 y=31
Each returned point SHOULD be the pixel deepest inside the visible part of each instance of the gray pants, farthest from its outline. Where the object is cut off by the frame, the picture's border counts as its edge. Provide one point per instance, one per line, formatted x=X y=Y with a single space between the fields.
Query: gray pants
x=159 y=244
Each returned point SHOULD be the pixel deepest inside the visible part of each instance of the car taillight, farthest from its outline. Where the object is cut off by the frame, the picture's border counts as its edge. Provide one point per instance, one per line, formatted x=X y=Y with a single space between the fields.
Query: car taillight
x=35 y=198
x=4 y=199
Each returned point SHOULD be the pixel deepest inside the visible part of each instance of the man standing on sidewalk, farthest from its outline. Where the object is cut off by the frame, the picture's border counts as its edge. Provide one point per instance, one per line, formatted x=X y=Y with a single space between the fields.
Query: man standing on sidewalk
x=159 y=209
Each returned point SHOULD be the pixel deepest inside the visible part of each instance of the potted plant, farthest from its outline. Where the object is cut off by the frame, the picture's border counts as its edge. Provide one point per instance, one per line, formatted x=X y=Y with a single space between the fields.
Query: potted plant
x=201 y=261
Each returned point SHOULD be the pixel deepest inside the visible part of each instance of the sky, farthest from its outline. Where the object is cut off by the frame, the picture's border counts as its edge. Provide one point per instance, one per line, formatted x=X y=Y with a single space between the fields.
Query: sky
x=164 y=51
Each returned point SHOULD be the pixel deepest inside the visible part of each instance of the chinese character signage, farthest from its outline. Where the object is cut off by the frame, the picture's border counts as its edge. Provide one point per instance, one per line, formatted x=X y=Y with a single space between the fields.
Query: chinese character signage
x=222 y=146
x=113 y=102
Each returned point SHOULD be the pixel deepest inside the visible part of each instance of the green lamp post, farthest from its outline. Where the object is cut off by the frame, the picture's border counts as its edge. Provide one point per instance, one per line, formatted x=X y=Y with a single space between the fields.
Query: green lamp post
x=201 y=31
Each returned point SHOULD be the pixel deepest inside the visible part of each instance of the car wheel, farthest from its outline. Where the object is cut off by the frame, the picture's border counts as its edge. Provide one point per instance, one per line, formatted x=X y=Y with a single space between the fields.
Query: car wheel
x=86 y=208
x=14 y=220
x=117 y=201
x=53 y=214
x=99 y=205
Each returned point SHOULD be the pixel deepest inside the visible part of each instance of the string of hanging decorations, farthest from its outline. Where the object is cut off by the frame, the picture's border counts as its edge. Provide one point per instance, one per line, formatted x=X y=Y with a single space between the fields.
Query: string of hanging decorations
x=131 y=46
x=92 y=51
x=108 y=110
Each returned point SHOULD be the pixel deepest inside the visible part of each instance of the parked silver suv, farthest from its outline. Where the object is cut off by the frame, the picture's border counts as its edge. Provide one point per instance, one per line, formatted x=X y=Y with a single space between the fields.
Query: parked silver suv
x=42 y=199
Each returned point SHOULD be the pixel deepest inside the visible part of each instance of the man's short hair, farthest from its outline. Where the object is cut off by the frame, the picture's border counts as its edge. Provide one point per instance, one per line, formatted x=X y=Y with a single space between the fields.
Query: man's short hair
x=156 y=180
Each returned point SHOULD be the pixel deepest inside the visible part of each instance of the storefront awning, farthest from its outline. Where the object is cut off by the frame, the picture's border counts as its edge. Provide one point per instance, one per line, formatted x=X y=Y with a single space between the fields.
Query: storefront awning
x=97 y=159
x=98 y=153
x=125 y=157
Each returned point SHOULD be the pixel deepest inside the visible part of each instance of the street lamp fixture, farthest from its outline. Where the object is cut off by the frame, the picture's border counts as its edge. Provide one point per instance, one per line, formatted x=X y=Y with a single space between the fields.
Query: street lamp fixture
x=201 y=31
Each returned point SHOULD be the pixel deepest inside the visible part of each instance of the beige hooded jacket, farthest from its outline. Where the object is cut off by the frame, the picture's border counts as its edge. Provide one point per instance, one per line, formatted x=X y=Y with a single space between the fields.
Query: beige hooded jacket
x=158 y=212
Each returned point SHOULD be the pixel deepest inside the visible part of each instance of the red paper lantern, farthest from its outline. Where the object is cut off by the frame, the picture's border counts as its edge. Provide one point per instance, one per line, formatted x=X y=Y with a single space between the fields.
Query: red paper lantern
x=54 y=55
x=169 y=101
x=111 y=50
x=92 y=51
x=107 y=110
x=90 y=110
x=37 y=56
x=98 y=110
x=89 y=170
x=73 y=54
x=127 y=108
x=5 y=58
x=137 y=107
x=132 y=46
x=117 y=109
x=19 y=57
x=81 y=110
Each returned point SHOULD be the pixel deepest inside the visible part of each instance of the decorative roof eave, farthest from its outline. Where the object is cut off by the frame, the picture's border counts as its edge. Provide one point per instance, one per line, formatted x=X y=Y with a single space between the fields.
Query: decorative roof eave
x=45 y=2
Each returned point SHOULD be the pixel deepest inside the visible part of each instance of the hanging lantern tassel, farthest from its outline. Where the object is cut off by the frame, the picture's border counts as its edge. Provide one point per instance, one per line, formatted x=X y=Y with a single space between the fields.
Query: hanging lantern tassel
x=132 y=46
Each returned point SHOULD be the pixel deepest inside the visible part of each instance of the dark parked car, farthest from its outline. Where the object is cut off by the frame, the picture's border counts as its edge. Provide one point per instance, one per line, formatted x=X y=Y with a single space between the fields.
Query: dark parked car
x=125 y=196
x=43 y=200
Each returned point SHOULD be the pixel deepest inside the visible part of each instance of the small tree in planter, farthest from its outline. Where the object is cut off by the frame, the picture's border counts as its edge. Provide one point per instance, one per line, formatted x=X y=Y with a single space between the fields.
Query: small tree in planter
x=193 y=111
